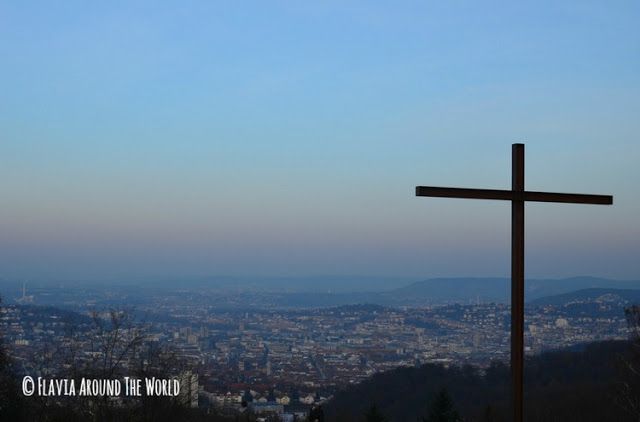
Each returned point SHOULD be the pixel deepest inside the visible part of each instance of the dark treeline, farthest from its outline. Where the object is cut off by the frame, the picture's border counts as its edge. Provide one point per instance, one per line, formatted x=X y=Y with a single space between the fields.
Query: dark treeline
x=593 y=384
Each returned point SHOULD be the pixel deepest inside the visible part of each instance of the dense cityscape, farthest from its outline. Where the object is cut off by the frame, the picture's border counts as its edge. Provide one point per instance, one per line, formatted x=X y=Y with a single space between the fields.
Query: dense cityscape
x=285 y=361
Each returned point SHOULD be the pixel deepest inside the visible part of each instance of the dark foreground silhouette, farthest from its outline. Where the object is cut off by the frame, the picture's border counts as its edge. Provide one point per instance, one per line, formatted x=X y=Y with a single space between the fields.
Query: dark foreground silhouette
x=595 y=383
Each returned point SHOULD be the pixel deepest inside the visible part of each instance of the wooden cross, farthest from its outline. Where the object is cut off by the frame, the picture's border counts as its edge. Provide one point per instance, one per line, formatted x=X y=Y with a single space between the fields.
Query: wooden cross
x=517 y=195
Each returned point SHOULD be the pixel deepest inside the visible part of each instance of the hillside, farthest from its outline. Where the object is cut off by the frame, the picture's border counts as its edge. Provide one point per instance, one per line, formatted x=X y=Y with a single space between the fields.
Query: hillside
x=583 y=385
x=604 y=295
x=464 y=290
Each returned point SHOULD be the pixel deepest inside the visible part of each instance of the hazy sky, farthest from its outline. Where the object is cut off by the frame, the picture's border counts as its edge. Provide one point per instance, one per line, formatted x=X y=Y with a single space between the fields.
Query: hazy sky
x=286 y=138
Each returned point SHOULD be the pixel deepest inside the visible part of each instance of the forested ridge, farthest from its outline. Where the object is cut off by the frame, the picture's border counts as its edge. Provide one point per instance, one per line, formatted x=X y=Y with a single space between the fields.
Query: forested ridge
x=591 y=384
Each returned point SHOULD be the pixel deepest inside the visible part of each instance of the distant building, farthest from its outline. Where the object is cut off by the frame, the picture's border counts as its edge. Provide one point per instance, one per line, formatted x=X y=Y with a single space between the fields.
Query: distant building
x=24 y=299
x=260 y=408
x=284 y=400
x=309 y=399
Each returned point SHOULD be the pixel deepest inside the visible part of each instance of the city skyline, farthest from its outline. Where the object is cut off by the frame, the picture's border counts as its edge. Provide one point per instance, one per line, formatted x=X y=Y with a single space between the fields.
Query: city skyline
x=287 y=139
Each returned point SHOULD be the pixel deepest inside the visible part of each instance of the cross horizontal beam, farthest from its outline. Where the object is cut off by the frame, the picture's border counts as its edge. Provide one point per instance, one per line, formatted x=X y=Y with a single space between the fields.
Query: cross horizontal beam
x=509 y=195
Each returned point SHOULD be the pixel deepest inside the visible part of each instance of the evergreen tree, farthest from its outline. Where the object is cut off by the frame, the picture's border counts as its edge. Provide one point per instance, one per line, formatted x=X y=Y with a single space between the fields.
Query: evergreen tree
x=374 y=415
x=316 y=414
x=489 y=414
x=629 y=384
x=442 y=409
x=247 y=397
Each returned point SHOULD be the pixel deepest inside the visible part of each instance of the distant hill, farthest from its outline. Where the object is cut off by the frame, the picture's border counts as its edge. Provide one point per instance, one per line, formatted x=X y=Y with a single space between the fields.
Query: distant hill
x=462 y=290
x=584 y=385
x=312 y=292
x=451 y=290
x=466 y=290
x=605 y=295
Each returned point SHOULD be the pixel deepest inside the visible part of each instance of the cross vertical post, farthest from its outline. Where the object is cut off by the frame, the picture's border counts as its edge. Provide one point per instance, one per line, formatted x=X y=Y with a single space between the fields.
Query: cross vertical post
x=517 y=195
x=517 y=283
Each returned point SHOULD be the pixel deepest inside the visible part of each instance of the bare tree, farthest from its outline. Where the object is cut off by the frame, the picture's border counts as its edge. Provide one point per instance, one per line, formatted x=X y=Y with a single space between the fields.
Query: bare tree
x=115 y=346
x=10 y=400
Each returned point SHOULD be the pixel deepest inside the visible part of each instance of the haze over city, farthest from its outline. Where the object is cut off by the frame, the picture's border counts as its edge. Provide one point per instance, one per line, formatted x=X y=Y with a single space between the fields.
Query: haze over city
x=286 y=139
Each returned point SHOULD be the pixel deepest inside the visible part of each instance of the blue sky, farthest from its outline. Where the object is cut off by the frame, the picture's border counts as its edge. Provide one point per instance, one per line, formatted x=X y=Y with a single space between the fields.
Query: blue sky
x=286 y=138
